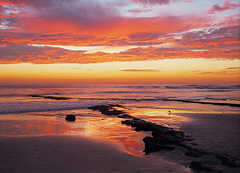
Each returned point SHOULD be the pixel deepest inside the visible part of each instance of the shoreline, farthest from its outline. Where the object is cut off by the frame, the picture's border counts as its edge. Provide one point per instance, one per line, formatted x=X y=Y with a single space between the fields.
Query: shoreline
x=50 y=154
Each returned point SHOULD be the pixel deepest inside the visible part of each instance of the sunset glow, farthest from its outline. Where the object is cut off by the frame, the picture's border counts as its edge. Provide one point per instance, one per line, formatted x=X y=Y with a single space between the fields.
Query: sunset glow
x=57 y=42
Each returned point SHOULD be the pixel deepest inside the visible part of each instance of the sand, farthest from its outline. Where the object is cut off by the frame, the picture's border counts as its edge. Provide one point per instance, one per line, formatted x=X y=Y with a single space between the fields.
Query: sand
x=215 y=132
x=74 y=154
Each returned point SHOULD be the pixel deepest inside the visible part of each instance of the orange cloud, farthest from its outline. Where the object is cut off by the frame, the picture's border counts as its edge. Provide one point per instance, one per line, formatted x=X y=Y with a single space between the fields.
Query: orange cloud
x=46 y=55
x=49 y=22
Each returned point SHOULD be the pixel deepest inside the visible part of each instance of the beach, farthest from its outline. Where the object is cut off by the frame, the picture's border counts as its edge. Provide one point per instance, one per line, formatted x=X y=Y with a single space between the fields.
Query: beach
x=119 y=129
x=73 y=154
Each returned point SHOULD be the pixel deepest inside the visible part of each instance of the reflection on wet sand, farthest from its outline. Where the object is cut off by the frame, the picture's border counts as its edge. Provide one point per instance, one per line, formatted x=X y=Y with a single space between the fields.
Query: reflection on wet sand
x=88 y=123
x=108 y=129
x=165 y=117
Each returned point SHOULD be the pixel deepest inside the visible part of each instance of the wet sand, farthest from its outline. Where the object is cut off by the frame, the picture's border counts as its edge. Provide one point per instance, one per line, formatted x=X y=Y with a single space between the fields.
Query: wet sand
x=61 y=154
x=97 y=143
x=215 y=132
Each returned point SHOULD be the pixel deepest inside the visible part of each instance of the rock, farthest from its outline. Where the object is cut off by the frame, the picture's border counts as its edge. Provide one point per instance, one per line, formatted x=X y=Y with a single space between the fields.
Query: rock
x=50 y=97
x=195 y=152
x=110 y=110
x=70 y=118
x=193 y=143
x=141 y=125
x=227 y=160
x=56 y=98
x=127 y=122
x=152 y=146
x=124 y=116
x=199 y=166
x=164 y=138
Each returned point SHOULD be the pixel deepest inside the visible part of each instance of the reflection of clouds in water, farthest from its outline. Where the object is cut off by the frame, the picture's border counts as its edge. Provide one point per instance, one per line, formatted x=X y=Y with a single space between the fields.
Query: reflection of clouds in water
x=101 y=128
x=31 y=126
x=110 y=129
x=166 y=117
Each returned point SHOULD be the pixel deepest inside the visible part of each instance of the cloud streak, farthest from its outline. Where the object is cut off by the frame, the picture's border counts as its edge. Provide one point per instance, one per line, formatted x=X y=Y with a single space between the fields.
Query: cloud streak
x=100 y=24
x=225 y=6
x=140 y=70
x=153 y=2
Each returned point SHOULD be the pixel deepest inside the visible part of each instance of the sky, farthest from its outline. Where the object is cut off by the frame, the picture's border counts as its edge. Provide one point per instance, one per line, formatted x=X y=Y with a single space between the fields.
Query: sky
x=70 y=42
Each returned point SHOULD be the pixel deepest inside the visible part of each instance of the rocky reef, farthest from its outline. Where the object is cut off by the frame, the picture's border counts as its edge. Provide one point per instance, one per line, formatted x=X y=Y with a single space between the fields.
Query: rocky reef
x=168 y=139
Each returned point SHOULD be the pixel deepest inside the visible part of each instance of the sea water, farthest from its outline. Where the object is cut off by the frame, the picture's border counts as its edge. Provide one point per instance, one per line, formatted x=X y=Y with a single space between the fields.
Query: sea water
x=19 y=100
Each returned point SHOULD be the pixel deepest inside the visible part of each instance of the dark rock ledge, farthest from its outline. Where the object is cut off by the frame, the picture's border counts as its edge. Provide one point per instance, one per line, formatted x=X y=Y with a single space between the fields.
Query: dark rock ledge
x=111 y=110
x=167 y=139
x=70 y=118
x=50 y=97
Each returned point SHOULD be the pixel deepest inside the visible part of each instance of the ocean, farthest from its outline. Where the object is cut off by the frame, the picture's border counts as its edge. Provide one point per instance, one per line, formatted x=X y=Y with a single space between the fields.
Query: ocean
x=173 y=97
